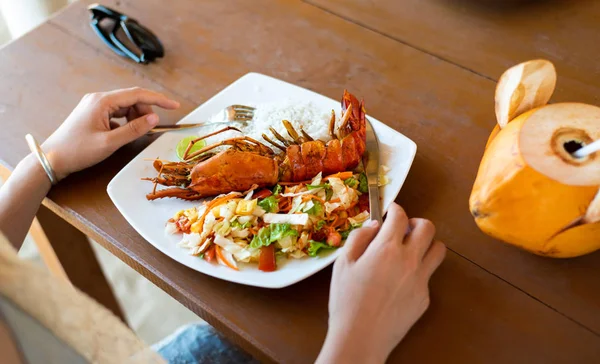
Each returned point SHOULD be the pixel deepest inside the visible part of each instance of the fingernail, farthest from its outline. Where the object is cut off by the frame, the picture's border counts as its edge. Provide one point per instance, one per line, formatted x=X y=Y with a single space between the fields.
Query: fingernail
x=371 y=223
x=175 y=103
x=152 y=119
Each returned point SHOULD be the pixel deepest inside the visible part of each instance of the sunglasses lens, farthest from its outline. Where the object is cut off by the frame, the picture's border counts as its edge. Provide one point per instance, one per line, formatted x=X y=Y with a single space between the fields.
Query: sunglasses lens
x=132 y=46
x=145 y=40
x=101 y=11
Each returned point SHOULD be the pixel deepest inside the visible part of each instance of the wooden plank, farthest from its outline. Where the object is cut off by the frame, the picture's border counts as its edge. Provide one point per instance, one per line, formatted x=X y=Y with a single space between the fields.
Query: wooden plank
x=474 y=317
x=489 y=36
x=448 y=111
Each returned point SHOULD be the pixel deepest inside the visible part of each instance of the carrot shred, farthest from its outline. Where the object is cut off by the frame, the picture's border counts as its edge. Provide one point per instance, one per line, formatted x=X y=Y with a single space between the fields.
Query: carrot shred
x=339 y=223
x=334 y=200
x=284 y=205
x=220 y=255
x=335 y=219
x=311 y=196
x=341 y=175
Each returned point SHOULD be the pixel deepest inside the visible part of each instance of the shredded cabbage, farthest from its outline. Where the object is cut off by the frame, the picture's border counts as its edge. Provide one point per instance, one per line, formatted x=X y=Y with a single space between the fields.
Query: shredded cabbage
x=258 y=211
x=292 y=219
x=190 y=240
x=329 y=207
x=359 y=219
x=317 y=179
x=307 y=192
x=171 y=228
x=297 y=254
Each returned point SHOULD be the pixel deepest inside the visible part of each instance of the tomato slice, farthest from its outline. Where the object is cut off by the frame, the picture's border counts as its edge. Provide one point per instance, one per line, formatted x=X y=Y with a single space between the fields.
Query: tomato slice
x=266 y=262
x=264 y=193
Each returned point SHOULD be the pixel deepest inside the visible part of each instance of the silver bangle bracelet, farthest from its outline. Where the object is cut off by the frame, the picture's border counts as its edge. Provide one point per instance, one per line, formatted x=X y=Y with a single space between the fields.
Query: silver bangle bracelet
x=37 y=150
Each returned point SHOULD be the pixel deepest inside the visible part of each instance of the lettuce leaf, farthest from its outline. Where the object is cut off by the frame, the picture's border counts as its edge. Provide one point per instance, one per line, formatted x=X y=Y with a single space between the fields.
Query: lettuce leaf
x=312 y=187
x=328 y=194
x=316 y=209
x=351 y=182
x=271 y=233
x=363 y=184
x=320 y=225
x=269 y=204
x=237 y=224
x=277 y=190
x=315 y=246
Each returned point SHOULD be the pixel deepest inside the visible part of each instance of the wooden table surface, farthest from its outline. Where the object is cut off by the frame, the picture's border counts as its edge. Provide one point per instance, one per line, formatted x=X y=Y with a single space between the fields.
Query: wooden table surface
x=426 y=68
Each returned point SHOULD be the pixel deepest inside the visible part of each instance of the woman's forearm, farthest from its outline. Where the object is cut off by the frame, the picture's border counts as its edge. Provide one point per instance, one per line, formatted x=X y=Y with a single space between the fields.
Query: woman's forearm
x=20 y=198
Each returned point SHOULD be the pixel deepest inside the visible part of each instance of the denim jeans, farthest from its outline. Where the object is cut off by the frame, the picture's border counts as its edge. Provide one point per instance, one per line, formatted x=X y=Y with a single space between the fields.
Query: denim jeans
x=200 y=343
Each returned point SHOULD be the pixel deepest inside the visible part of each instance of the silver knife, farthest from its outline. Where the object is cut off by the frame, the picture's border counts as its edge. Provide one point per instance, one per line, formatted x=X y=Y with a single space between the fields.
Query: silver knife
x=371 y=164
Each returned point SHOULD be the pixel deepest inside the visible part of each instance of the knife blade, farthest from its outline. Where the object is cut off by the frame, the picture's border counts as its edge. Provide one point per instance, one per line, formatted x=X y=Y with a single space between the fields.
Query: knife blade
x=371 y=164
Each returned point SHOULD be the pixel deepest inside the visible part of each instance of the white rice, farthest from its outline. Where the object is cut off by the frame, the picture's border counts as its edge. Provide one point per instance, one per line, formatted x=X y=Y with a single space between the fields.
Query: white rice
x=313 y=120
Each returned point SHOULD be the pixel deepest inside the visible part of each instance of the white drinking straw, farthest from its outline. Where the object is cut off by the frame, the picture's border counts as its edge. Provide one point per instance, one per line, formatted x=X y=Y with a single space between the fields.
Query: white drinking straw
x=587 y=150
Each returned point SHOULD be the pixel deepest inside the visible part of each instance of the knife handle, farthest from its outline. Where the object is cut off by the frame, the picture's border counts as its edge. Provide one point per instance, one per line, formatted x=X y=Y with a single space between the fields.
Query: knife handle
x=375 y=204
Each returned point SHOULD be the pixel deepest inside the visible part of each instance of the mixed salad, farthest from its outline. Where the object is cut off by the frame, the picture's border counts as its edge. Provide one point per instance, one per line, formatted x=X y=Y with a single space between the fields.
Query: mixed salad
x=260 y=225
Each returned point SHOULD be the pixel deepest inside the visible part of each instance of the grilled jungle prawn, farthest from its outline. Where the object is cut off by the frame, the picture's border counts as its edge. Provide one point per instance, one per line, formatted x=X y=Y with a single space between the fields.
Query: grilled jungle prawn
x=248 y=162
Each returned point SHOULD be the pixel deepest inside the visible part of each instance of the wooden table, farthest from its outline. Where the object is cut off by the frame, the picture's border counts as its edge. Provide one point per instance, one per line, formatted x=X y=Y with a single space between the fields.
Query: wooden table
x=427 y=68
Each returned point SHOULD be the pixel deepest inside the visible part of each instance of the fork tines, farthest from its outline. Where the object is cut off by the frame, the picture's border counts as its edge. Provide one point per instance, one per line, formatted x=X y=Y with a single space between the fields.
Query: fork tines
x=242 y=112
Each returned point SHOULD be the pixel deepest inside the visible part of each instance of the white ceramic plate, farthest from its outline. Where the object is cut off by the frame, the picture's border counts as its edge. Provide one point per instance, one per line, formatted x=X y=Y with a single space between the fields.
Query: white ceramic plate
x=128 y=192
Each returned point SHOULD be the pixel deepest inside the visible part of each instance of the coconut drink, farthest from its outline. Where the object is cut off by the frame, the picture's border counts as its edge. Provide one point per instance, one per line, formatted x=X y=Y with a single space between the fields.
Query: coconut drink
x=532 y=190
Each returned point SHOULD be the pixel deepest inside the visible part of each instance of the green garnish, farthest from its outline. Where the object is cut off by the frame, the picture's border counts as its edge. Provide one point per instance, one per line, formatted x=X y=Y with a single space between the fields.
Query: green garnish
x=239 y=225
x=320 y=224
x=328 y=193
x=315 y=246
x=316 y=209
x=363 y=184
x=351 y=182
x=271 y=233
x=269 y=204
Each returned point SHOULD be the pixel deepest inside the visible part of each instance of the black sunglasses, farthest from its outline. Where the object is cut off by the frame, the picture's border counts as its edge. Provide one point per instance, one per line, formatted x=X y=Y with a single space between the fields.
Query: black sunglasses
x=125 y=36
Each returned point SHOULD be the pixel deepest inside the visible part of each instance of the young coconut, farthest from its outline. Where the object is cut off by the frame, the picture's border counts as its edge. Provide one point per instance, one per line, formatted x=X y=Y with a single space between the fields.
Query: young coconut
x=530 y=190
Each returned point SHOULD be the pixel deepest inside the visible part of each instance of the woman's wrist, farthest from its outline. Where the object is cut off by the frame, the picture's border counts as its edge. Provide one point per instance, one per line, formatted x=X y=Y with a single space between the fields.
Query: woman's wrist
x=351 y=346
x=56 y=166
x=36 y=173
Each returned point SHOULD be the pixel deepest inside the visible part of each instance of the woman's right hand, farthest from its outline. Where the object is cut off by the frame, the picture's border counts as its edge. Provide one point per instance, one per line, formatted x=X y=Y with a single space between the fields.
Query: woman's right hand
x=379 y=288
x=89 y=135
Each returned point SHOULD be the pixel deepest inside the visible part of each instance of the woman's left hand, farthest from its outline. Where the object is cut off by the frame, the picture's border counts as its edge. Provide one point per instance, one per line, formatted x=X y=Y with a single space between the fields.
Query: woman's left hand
x=88 y=136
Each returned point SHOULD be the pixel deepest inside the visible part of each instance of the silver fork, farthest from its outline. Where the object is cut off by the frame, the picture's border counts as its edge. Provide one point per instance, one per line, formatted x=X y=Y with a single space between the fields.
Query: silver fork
x=234 y=113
